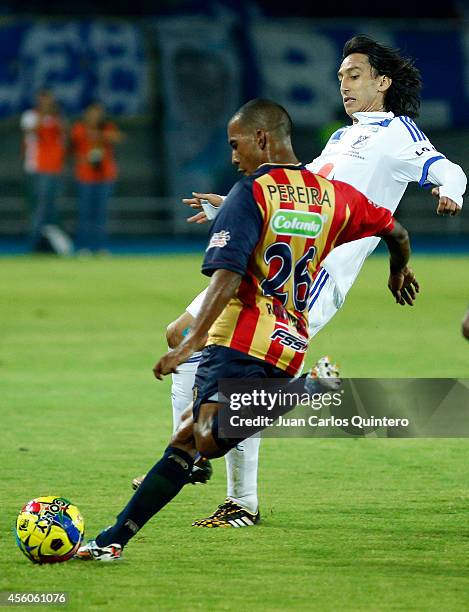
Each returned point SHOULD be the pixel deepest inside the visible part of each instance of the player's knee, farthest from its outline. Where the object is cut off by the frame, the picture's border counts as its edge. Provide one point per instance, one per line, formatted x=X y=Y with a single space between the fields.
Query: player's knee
x=206 y=436
x=207 y=448
x=183 y=437
x=206 y=445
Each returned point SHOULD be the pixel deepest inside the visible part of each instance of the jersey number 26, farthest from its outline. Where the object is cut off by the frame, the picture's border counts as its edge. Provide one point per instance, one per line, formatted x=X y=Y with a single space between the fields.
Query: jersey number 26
x=301 y=277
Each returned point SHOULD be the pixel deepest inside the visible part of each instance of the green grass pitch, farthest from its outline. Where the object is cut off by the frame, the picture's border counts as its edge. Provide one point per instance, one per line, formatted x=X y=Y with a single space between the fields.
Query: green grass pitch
x=347 y=524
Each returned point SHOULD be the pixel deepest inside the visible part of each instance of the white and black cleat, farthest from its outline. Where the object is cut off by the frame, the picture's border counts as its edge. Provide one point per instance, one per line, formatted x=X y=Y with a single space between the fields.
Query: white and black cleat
x=92 y=552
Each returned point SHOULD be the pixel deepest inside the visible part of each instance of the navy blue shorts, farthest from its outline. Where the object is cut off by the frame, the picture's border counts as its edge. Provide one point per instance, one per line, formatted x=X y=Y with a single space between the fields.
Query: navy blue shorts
x=219 y=362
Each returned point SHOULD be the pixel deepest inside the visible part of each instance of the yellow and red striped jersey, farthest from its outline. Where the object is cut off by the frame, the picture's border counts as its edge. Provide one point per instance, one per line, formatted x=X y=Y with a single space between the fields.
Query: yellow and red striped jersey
x=275 y=227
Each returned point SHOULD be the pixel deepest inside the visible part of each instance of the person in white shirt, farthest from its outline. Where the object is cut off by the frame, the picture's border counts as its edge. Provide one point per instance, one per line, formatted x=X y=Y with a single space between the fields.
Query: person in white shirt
x=44 y=149
x=380 y=153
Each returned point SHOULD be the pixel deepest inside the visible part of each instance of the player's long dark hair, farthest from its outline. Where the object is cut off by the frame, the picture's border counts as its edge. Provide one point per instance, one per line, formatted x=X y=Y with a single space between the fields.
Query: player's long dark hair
x=403 y=96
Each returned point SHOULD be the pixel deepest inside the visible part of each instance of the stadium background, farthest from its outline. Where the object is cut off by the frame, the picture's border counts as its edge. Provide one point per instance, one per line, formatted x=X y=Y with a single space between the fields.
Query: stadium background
x=172 y=76
x=348 y=524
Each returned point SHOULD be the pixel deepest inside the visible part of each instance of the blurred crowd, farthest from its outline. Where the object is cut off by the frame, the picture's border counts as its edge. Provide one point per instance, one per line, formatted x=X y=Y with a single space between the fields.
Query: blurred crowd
x=49 y=141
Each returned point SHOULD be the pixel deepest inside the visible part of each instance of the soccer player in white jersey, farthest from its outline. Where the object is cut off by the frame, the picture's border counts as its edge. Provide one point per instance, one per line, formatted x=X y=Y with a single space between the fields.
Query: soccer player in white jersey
x=380 y=153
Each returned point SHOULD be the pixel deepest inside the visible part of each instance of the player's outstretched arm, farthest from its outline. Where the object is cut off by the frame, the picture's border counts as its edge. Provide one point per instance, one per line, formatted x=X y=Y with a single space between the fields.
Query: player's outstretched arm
x=402 y=282
x=196 y=203
x=425 y=165
x=222 y=288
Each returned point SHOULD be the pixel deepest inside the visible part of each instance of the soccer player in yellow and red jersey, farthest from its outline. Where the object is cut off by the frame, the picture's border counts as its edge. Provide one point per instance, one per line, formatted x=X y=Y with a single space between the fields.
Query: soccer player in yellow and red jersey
x=275 y=228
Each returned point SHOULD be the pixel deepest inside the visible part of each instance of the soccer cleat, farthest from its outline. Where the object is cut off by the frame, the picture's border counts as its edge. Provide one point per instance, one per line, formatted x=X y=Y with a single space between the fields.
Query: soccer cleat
x=92 y=552
x=229 y=514
x=325 y=373
x=201 y=473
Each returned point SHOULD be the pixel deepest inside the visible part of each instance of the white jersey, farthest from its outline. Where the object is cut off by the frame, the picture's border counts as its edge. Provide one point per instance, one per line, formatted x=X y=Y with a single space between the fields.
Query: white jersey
x=379 y=155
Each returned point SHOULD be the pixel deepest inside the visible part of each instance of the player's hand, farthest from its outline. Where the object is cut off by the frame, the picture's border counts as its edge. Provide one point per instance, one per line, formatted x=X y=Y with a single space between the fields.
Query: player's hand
x=194 y=203
x=446 y=206
x=168 y=363
x=404 y=286
x=199 y=218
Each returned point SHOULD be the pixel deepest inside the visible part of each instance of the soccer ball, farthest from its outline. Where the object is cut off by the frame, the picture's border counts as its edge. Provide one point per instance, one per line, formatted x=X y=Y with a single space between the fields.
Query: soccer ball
x=49 y=529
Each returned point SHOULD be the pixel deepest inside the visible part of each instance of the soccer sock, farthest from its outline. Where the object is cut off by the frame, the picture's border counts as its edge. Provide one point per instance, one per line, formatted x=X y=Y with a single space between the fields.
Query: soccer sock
x=163 y=482
x=181 y=389
x=241 y=471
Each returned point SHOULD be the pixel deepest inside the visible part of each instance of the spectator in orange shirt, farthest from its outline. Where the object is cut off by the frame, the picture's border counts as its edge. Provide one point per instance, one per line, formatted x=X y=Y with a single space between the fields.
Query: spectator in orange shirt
x=44 y=155
x=93 y=141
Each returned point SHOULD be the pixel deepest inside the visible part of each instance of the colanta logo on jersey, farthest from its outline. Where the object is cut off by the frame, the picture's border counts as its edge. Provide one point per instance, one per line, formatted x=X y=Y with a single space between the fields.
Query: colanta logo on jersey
x=295 y=223
x=360 y=142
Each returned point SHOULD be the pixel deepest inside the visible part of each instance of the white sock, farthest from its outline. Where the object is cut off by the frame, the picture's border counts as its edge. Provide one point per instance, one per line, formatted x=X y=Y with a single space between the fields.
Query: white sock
x=241 y=473
x=181 y=390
